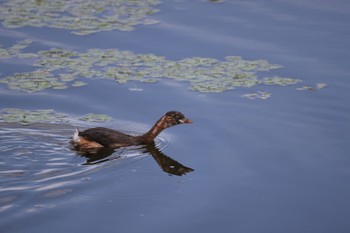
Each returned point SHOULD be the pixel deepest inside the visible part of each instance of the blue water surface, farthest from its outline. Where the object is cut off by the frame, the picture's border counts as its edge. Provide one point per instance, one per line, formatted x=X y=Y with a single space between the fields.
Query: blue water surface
x=275 y=165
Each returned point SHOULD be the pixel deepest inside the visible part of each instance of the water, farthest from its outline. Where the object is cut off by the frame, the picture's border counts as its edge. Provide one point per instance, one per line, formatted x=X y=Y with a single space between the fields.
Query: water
x=278 y=165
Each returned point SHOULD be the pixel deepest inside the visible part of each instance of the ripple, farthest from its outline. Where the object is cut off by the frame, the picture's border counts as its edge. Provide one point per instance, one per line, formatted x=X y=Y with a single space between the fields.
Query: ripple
x=37 y=161
x=41 y=152
x=32 y=156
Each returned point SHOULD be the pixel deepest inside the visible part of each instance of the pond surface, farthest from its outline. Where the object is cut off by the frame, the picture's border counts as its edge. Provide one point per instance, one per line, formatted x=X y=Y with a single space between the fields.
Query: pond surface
x=279 y=164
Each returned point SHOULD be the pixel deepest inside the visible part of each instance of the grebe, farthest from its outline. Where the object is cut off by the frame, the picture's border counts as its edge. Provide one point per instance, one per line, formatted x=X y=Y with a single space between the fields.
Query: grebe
x=100 y=137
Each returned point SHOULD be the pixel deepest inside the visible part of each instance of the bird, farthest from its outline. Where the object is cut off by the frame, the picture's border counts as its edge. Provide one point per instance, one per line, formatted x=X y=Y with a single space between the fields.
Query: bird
x=100 y=137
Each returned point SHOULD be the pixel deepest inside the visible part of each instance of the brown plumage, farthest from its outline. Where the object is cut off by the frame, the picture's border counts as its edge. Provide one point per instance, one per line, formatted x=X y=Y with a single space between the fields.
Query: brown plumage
x=103 y=137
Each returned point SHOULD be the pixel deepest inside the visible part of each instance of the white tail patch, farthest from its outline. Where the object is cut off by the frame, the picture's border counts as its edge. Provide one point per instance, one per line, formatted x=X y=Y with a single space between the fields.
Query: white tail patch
x=76 y=137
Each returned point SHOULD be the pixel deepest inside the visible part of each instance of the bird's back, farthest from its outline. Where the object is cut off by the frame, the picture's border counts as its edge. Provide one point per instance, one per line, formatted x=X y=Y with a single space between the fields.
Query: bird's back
x=106 y=137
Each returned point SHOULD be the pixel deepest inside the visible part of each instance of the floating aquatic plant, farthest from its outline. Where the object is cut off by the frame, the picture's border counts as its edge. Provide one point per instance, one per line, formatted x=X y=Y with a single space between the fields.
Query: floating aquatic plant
x=82 y=17
x=60 y=68
x=275 y=80
x=315 y=88
x=92 y=117
x=26 y=117
x=37 y=80
x=258 y=95
x=16 y=50
x=79 y=84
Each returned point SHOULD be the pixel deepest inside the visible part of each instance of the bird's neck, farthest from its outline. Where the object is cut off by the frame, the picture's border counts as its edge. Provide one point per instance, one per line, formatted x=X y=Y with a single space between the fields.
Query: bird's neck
x=157 y=128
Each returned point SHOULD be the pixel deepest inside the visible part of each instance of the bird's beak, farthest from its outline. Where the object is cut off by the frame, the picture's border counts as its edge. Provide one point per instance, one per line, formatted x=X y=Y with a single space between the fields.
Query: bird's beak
x=185 y=121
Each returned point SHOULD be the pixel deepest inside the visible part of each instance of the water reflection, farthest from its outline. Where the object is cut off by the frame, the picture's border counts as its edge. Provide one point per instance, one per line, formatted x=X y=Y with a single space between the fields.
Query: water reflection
x=37 y=160
x=168 y=165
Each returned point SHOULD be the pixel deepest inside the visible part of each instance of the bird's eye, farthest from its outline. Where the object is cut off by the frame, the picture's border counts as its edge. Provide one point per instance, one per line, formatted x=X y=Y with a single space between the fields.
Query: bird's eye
x=178 y=119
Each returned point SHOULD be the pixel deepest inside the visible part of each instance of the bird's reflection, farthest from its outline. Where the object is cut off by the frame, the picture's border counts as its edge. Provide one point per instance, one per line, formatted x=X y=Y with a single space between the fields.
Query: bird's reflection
x=168 y=165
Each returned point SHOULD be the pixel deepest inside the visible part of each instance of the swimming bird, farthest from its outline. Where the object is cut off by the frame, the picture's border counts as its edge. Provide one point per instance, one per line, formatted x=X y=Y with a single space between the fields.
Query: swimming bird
x=100 y=137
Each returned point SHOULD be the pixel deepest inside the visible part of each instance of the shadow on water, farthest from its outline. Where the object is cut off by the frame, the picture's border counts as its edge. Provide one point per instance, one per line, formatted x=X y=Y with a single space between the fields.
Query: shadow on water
x=168 y=165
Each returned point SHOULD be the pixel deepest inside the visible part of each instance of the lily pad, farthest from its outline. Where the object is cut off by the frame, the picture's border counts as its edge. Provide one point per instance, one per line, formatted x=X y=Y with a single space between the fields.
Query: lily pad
x=79 y=84
x=26 y=117
x=310 y=88
x=59 y=68
x=275 y=80
x=80 y=17
x=258 y=95
x=38 y=80
x=17 y=50
x=35 y=81
x=91 y=117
